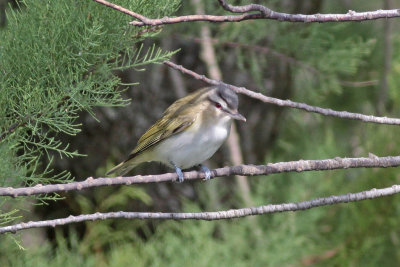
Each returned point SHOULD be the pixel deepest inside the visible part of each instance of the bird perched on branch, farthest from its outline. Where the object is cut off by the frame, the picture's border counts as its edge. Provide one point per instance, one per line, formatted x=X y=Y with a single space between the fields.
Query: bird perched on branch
x=190 y=131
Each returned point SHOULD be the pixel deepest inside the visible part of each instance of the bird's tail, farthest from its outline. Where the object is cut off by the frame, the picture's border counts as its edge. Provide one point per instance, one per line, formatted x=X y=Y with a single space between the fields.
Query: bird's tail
x=123 y=168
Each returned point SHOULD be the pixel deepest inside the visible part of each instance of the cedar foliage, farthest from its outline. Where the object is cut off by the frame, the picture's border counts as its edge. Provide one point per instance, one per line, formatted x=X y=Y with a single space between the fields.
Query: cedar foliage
x=57 y=59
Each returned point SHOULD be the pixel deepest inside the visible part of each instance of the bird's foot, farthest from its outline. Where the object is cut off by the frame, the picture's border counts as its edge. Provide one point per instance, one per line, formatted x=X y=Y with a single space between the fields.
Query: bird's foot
x=207 y=172
x=180 y=174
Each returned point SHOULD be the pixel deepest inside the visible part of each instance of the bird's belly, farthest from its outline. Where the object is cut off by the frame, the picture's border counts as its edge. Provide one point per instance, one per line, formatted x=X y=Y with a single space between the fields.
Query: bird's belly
x=191 y=147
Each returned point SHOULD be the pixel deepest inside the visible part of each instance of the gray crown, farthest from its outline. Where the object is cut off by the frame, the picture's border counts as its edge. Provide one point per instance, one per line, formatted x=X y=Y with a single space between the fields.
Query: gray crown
x=229 y=96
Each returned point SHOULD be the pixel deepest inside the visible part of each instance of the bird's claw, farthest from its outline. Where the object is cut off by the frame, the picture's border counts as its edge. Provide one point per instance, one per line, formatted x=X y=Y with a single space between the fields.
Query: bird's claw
x=207 y=172
x=179 y=172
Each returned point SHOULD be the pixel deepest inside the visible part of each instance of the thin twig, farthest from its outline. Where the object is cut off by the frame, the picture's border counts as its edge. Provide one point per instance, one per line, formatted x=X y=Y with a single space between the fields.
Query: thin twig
x=289 y=103
x=247 y=8
x=124 y=10
x=359 y=83
x=258 y=49
x=12 y=129
x=209 y=216
x=284 y=57
x=245 y=170
x=148 y=30
x=262 y=13
x=24 y=121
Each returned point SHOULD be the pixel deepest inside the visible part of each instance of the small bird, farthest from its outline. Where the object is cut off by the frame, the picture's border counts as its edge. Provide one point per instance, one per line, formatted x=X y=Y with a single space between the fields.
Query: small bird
x=190 y=131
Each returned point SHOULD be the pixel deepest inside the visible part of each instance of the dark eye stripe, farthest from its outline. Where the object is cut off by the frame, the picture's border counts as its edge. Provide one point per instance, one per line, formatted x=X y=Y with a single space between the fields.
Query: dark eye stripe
x=223 y=98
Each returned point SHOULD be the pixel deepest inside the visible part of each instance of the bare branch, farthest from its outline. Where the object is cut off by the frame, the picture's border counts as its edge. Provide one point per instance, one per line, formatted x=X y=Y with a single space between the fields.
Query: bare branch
x=209 y=216
x=262 y=13
x=246 y=170
x=148 y=30
x=123 y=10
x=247 y=8
x=359 y=84
x=289 y=103
x=190 y=18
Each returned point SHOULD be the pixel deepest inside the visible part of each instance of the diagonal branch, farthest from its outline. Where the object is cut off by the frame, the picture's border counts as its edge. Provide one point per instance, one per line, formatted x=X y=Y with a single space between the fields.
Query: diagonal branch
x=262 y=12
x=209 y=216
x=245 y=170
x=124 y=10
x=289 y=103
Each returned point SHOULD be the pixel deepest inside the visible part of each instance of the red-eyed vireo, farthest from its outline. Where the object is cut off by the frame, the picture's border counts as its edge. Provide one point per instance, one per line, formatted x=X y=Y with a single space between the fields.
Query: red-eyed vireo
x=190 y=132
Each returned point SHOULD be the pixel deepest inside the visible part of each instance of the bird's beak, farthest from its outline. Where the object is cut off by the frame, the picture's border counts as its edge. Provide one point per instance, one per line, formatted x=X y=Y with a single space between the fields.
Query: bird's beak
x=237 y=116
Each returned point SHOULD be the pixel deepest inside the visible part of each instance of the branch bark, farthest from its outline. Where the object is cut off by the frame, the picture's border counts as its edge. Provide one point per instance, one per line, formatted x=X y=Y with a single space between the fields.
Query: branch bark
x=262 y=13
x=210 y=216
x=245 y=170
x=289 y=103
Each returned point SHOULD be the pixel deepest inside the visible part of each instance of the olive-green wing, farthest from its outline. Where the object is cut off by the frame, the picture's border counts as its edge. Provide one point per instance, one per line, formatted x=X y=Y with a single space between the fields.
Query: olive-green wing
x=176 y=119
x=162 y=129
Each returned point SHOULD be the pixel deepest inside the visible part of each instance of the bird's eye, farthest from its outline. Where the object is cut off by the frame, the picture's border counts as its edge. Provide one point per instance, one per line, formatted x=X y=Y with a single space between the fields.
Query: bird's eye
x=218 y=105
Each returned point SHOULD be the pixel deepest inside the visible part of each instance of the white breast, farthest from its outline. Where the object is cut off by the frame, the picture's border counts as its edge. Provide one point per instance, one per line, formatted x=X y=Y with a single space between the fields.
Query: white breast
x=195 y=145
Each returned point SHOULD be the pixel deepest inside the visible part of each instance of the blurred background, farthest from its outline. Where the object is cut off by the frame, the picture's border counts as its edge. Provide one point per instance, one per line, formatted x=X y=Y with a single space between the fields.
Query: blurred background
x=343 y=66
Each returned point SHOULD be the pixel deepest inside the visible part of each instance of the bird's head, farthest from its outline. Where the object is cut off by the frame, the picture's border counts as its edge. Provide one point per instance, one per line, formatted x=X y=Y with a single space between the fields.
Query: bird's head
x=225 y=102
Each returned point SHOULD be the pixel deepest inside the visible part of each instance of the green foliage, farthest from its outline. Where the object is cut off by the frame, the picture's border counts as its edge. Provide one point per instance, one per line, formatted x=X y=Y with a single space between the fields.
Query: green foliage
x=321 y=57
x=57 y=59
